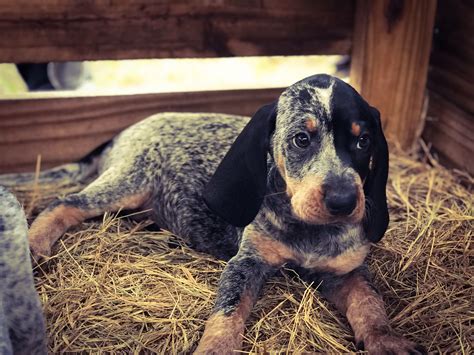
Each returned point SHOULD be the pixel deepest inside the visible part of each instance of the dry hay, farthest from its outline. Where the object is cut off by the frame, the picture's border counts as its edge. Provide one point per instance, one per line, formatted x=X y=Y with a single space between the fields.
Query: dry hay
x=115 y=286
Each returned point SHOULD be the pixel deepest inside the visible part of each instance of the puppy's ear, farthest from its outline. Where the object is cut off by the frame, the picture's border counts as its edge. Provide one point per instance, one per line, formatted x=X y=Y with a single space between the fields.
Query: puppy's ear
x=236 y=190
x=376 y=218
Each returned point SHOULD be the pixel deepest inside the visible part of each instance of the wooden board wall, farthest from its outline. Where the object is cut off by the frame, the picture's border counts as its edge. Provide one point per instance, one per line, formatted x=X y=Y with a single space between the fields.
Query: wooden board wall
x=450 y=124
x=65 y=129
x=392 y=41
x=389 y=40
x=39 y=31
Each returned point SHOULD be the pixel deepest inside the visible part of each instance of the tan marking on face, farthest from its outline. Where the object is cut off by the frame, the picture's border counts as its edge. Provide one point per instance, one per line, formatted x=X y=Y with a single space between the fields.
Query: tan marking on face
x=280 y=162
x=311 y=125
x=307 y=201
x=355 y=129
x=272 y=251
x=223 y=334
x=291 y=186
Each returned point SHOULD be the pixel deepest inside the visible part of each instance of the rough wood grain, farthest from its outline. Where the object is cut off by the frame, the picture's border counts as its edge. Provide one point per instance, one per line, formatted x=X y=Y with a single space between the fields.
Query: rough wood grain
x=65 y=129
x=38 y=30
x=450 y=128
x=450 y=131
x=392 y=41
x=451 y=66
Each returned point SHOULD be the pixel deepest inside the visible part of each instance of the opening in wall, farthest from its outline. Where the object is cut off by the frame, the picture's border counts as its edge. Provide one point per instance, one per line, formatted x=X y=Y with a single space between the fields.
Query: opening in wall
x=166 y=75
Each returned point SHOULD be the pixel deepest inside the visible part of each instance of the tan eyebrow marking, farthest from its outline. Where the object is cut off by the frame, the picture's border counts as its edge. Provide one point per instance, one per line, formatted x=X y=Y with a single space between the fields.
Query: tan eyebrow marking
x=355 y=129
x=311 y=124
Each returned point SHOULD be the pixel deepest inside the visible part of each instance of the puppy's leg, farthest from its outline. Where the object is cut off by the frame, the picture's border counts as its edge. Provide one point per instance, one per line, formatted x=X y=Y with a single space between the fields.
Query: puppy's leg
x=239 y=286
x=258 y=258
x=109 y=192
x=354 y=295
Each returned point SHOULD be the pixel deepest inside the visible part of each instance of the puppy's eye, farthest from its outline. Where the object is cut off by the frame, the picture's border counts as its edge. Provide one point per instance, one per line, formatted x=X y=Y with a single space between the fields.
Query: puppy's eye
x=301 y=140
x=363 y=142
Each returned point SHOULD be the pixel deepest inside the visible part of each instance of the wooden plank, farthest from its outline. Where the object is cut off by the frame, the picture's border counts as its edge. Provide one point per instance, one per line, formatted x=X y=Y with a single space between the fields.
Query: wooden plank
x=451 y=83
x=450 y=131
x=41 y=31
x=392 y=41
x=65 y=129
x=452 y=73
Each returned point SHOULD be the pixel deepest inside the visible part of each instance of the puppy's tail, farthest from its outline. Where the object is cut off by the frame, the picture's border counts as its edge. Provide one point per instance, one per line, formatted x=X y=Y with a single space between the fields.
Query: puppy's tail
x=64 y=174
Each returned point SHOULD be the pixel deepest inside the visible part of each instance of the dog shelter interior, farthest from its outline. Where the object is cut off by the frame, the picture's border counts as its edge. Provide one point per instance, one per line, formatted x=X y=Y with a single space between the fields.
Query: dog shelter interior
x=117 y=286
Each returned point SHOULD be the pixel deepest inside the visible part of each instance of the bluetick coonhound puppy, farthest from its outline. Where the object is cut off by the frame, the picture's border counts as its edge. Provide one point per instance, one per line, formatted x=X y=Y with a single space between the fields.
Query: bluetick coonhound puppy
x=22 y=328
x=303 y=184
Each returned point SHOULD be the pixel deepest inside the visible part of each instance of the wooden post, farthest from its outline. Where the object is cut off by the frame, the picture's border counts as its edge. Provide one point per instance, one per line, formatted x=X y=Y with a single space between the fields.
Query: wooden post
x=390 y=56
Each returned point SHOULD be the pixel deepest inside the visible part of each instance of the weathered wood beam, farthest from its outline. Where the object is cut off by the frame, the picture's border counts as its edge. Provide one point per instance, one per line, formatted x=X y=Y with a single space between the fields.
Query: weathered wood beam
x=450 y=124
x=65 y=129
x=41 y=31
x=450 y=130
x=390 y=55
x=451 y=72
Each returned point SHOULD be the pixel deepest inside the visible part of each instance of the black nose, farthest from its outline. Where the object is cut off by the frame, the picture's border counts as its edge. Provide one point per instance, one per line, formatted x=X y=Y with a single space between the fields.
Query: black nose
x=340 y=200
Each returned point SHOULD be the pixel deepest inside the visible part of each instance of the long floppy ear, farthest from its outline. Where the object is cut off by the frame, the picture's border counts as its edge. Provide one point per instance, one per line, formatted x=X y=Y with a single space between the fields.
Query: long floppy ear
x=236 y=190
x=377 y=218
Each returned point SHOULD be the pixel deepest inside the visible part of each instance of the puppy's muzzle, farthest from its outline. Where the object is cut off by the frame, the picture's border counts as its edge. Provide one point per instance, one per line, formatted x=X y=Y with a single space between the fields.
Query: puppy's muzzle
x=340 y=195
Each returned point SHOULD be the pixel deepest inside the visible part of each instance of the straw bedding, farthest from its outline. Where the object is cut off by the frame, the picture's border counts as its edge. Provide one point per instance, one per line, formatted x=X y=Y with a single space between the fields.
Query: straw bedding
x=117 y=286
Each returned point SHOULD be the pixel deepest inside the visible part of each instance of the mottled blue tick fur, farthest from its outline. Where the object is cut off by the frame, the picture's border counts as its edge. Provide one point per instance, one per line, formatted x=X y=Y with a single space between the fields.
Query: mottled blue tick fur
x=22 y=328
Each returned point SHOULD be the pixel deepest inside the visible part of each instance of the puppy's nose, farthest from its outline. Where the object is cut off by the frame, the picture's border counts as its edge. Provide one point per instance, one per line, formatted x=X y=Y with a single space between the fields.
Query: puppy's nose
x=340 y=197
x=341 y=203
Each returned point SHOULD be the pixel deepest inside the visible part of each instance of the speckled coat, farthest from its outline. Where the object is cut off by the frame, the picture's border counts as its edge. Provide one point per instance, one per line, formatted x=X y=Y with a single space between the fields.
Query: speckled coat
x=22 y=328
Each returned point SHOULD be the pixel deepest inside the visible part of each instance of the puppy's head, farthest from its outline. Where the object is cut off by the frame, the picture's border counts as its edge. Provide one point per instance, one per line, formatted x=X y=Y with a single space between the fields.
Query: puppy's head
x=328 y=146
x=322 y=144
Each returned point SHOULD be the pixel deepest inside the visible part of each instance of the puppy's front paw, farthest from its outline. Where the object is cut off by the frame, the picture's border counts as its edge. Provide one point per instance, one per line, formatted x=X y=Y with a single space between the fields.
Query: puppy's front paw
x=219 y=340
x=390 y=343
x=217 y=346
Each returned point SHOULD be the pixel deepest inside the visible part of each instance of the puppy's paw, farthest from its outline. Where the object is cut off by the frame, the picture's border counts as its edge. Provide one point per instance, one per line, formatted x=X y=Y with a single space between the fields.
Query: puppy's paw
x=390 y=344
x=218 y=345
